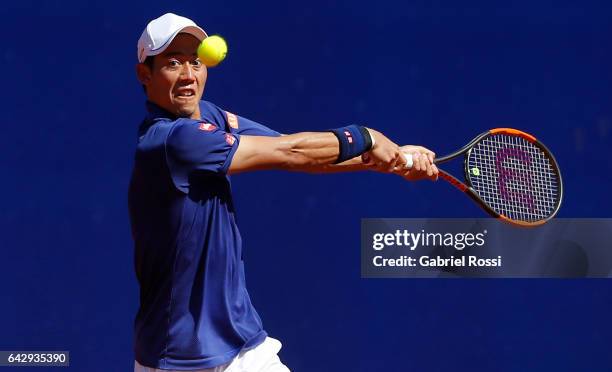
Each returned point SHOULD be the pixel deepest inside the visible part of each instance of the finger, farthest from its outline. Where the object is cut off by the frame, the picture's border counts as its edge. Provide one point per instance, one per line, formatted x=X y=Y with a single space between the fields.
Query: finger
x=430 y=169
x=385 y=163
x=426 y=152
x=391 y=165
x=423 y=160
x=402 y=161
x=416 y=159
x=436 y=171
x=405 y=164
x=424 y=163
x=427 y=165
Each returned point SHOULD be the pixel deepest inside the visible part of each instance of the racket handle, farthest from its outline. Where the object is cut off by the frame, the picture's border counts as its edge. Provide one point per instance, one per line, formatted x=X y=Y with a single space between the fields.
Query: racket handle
x=408 y=157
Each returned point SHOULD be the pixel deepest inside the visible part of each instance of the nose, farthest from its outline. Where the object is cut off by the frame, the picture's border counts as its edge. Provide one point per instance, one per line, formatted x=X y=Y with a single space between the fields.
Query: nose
x=187 y=72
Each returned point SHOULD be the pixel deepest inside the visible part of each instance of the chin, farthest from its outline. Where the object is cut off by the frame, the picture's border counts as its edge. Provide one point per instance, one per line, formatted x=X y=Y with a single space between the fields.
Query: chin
x=185 y=112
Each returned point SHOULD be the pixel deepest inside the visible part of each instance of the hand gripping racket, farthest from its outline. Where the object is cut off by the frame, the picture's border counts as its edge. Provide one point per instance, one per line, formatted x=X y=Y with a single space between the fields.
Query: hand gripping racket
x=509 y=174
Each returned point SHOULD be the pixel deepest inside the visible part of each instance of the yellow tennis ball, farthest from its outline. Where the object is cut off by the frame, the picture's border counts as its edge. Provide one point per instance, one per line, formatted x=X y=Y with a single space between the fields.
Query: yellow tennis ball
x=212 y=50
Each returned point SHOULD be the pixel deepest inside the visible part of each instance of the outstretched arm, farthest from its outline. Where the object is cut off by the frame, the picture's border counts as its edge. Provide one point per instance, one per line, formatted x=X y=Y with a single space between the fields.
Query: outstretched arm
x=307 y=152
x=315 y=152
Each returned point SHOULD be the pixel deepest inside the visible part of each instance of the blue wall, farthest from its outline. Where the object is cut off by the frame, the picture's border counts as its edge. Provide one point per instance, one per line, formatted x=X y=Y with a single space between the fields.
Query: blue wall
x=428 y=72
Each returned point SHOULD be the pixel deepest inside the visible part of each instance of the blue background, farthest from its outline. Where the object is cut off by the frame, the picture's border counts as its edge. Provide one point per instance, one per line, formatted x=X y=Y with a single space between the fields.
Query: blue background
x=430 y=72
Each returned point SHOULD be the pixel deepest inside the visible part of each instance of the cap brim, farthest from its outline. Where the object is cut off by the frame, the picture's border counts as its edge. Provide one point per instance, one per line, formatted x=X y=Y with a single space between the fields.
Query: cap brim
x=192 y=30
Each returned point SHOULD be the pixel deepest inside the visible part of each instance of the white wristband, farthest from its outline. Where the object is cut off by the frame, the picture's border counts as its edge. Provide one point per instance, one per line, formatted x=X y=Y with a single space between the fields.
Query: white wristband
x=409 y=162
x=371 y=137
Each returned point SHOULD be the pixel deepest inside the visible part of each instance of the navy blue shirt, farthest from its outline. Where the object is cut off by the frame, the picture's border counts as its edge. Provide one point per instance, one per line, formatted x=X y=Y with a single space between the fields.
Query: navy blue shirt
x=195 y=311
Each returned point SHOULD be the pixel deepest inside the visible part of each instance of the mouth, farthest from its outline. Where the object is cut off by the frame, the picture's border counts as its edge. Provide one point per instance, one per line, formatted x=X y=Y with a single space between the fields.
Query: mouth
x=185 y=93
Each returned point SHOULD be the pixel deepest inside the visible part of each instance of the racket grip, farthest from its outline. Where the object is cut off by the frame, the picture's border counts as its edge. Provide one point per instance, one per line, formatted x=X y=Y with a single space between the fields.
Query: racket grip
x=408 y=157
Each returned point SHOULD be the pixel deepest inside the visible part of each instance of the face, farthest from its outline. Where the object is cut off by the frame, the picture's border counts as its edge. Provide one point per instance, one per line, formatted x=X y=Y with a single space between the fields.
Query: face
x=176 y=80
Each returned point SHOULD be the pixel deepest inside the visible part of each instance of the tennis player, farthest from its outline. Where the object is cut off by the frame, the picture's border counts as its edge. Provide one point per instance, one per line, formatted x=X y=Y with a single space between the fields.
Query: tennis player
x=195 y=313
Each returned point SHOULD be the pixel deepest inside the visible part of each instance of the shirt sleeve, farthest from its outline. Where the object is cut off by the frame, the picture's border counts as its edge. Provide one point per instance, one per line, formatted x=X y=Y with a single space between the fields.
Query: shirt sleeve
x=234 y=123
x=198 y=146
x=251 y=128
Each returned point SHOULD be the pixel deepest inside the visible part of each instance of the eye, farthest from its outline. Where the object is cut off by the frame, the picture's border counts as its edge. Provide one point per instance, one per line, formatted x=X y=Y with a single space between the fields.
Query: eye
x=196 y=63
x=174 y=63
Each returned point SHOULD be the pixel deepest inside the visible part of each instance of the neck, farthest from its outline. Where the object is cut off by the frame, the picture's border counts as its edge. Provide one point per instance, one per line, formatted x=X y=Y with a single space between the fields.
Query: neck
x=196 y=114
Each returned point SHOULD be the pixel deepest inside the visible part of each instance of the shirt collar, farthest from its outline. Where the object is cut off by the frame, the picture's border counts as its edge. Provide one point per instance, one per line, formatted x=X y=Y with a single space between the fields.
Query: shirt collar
x=156 y=112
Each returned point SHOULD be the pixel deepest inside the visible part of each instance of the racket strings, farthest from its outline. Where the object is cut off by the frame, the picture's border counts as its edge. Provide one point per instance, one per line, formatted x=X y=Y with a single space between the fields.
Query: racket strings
x=514 y=177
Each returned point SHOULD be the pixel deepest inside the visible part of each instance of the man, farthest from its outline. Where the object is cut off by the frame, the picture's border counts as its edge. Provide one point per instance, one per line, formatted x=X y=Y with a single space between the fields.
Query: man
x=195 y=312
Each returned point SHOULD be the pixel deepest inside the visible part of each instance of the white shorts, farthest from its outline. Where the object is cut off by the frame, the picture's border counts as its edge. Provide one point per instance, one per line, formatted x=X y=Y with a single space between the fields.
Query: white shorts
x=262 y=358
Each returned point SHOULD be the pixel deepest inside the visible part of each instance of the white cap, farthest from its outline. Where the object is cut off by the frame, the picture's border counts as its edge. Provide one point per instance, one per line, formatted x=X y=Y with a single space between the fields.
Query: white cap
x=160 y=32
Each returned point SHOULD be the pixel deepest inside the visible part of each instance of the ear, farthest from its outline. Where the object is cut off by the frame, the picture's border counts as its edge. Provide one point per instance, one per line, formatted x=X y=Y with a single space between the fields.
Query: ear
x=143 y=72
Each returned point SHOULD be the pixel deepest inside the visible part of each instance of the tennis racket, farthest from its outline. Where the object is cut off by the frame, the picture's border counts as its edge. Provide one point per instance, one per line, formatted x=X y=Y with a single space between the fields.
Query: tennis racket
x=510 y=174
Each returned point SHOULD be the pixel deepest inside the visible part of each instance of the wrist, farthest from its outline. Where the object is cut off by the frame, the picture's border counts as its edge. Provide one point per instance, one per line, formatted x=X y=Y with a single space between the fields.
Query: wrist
x=371 y=134
x=353 y=140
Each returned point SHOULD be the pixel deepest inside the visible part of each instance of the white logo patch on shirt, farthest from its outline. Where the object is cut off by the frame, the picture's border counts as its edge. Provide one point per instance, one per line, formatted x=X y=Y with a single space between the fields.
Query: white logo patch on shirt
x=232 y=120
x=229 y=139
x=207 y=127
